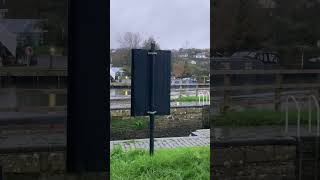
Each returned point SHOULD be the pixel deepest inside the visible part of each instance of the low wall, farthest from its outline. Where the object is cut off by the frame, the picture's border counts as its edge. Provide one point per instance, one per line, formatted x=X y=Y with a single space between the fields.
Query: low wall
x=181 y=122
x=254 y=159
x=278 y=158
x=44 y=165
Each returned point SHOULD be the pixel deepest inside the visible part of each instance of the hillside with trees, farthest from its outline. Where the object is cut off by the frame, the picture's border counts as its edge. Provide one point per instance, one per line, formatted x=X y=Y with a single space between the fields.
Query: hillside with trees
x=284 y=26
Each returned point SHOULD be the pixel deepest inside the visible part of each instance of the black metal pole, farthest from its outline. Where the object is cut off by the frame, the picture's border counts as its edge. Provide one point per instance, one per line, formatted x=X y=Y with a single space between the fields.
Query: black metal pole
x=152 y=112
x=151 y=134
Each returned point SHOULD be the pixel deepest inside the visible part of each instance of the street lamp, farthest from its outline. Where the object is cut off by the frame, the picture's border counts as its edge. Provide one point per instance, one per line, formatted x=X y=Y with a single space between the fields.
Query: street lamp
x=52 y=52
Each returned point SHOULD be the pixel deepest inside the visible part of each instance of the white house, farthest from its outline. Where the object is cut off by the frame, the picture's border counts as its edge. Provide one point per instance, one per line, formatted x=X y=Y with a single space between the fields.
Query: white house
x=193 y=62
x=183 y=55
x=200 y=56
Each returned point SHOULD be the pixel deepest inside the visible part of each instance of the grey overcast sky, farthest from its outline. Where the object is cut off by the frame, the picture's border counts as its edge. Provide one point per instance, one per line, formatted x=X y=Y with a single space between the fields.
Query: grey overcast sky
x=170 y=22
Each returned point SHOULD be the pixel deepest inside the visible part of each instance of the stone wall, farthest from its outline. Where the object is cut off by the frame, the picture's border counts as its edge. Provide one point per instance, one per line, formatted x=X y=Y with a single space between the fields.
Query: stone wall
x=41 y=166
x=181 y=122
x=33 y=165
x=262 y=159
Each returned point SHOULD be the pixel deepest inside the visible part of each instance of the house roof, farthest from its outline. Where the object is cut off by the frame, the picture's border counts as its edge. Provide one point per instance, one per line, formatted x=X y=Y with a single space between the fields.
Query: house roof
x=21 y=25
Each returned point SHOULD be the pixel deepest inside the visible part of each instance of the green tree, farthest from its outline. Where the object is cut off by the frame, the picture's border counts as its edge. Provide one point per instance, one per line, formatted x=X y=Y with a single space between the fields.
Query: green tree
x=147 y=43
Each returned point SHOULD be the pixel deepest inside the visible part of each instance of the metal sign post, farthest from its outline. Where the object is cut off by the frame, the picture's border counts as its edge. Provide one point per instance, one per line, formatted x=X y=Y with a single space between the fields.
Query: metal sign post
x=150 y=85
x=152 y=112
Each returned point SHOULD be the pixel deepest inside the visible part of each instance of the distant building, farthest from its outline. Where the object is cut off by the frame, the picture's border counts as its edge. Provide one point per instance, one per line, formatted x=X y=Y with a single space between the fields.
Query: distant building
x=193 y=62
x=183 y=55
x=201 y=55
x=113 y=50
x=116 y=73
x=24 y=31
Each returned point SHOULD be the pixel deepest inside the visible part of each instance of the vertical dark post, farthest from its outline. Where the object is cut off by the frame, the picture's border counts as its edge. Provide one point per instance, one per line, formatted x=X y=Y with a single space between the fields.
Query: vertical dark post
x=1 y=173
x=277 y=97
x=50 y=66
x=226 y=93
x=151 y=112
x=88 y=88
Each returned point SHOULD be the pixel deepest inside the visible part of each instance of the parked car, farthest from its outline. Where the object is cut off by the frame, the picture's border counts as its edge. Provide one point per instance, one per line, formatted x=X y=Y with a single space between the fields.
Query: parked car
x=312 y=63
x=247 y=60
x=264 y=56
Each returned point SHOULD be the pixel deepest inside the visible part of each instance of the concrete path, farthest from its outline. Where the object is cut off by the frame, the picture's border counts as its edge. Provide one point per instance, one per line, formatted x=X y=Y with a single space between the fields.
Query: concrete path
x=197 y=138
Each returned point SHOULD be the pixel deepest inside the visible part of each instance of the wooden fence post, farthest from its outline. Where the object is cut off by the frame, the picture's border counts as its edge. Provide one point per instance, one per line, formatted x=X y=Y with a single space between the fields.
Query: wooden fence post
x=277 y=97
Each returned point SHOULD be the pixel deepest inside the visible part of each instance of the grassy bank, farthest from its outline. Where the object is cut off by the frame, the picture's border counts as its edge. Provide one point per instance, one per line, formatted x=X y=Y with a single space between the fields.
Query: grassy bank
x=177 y=164
x=260 y=118
x=129 y=123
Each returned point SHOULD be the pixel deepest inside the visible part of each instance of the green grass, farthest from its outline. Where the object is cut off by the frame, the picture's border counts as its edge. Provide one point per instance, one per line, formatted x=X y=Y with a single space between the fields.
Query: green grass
x=129 y=123
x=260 y=118
x=188 y=99
x=166 y=164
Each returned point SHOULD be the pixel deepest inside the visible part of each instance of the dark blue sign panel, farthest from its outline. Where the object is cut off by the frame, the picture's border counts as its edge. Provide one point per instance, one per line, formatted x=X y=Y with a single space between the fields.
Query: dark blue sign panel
x=142 y=82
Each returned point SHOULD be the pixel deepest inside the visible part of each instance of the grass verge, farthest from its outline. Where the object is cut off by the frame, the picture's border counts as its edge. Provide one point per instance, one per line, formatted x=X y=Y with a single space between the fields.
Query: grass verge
x=261 y=118
x=177 y=164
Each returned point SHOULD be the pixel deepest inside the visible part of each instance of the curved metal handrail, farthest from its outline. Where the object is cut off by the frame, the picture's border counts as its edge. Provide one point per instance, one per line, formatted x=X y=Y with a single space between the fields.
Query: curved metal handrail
x=208 y=97
x=298 y=120
x=205 y=96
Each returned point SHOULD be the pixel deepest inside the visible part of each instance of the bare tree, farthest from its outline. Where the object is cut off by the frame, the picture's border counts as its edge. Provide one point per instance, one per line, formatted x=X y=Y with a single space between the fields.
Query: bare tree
x=130 y=40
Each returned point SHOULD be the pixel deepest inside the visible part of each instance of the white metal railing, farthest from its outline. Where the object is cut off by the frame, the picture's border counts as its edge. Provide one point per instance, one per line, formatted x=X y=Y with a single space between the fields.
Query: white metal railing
x=310 y=99
x=316 y=103
x=315 y=100
x=205 y=97
x=298 y=124
x=287 y=114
